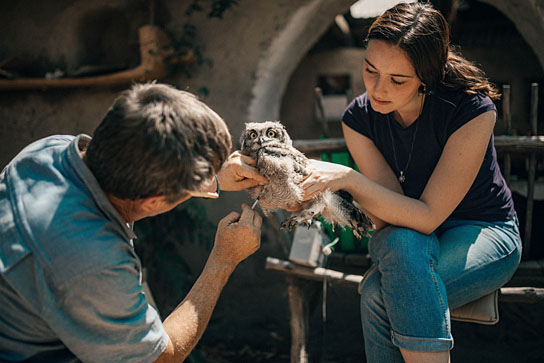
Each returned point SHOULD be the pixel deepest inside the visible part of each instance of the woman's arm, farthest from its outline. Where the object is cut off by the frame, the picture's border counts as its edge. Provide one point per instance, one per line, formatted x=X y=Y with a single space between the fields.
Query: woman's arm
x=455 y=172
x=372 y=164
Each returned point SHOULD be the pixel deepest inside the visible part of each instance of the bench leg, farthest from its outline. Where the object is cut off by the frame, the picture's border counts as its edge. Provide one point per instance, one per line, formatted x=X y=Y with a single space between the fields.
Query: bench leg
x=302 y=295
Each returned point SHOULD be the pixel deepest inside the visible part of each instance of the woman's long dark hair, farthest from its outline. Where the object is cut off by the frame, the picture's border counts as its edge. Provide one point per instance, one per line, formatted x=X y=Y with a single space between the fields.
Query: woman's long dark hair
x=424 y=34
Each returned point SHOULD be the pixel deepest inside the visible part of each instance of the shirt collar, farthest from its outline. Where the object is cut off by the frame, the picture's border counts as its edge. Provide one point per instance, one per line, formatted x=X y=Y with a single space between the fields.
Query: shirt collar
x=81 y=168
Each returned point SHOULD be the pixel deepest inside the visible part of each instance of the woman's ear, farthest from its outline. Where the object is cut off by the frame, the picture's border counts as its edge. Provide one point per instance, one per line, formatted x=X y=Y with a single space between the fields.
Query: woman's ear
x=422 y=88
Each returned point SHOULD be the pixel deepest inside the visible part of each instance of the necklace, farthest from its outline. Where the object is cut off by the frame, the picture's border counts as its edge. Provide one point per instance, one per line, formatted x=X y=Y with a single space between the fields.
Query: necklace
x=402 y=177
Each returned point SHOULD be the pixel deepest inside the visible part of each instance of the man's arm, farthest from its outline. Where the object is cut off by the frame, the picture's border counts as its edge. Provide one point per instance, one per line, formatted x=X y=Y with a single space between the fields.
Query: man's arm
x=238 y=236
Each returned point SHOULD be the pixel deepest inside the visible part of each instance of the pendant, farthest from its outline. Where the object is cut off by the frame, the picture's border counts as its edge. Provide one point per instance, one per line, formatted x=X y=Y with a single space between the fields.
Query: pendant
x=402 y=178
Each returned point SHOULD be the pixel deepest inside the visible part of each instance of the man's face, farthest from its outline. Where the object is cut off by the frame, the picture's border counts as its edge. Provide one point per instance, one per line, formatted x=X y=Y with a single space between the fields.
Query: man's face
x=208 y=189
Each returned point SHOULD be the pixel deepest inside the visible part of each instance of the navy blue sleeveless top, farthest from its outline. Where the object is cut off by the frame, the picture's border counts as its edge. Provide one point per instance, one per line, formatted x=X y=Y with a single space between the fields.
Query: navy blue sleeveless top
x=488 y=199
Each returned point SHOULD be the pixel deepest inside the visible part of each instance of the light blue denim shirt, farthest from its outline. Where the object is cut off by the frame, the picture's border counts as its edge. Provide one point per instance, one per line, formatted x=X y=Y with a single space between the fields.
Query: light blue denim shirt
x=70 y=281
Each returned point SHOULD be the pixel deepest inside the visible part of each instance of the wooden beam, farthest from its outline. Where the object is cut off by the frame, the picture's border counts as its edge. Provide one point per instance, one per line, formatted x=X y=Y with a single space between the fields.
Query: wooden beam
x=508 y=294
x=503 y=143
x=315 y=274
x=522 y=294
x=315 y=146
x=522 y=144
x=155 y=50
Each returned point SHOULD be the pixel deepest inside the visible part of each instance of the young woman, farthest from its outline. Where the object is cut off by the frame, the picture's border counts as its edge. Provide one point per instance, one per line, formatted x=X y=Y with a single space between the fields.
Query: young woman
x=422 y=137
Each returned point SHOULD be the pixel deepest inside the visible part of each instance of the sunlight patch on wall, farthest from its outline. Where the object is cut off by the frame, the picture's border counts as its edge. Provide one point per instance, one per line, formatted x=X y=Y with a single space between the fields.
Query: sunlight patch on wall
x=373 y=8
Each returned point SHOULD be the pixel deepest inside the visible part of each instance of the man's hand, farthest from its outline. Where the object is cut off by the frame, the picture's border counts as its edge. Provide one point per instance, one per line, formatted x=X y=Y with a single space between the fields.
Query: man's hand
x=238 y=236
x=238 y=173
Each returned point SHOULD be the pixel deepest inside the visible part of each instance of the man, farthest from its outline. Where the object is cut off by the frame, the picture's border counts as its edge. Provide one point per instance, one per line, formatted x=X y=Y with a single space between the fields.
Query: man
x=70 y=281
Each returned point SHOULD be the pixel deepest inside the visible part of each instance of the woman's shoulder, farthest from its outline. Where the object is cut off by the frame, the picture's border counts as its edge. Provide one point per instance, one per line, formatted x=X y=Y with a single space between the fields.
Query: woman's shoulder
x=360 y=101
x=454 y=100
x=358 y=114
x=454 y=108
x=358 y=107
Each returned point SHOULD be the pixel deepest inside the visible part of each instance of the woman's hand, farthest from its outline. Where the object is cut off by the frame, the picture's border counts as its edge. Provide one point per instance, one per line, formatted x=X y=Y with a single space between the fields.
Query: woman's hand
x=239 y=173
x=324 y=175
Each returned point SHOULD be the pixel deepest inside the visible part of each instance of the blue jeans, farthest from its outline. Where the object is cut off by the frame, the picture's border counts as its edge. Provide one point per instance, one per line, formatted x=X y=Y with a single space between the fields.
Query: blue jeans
x=417 y=278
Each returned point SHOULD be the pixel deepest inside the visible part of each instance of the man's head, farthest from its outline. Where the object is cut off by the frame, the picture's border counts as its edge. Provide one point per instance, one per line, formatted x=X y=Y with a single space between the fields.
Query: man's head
x=156 y=140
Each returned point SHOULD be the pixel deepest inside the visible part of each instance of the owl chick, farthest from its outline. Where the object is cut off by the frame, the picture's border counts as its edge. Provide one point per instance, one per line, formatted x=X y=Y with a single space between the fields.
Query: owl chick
x=285 y=167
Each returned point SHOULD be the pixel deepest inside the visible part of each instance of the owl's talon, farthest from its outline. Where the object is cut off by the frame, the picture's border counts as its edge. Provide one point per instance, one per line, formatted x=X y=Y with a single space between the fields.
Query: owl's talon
x=286 y=225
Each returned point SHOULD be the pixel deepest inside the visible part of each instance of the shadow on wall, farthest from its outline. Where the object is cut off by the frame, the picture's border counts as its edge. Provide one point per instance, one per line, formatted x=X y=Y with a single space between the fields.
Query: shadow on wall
x=106 y=43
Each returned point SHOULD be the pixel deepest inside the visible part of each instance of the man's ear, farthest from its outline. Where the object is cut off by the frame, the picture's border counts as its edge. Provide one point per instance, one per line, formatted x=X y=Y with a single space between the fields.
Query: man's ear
x=152 y=203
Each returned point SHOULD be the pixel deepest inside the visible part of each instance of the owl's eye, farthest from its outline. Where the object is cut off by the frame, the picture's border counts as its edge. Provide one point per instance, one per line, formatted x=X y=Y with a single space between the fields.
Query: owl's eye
x=252 y=134
x=271 y=133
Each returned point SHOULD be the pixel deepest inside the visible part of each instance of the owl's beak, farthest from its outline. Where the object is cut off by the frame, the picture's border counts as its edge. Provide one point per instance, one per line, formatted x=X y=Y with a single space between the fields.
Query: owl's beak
x=260 y=141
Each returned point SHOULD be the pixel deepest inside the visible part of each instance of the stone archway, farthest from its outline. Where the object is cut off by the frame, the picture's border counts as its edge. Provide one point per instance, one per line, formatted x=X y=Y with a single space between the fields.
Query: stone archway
x=528 y=16
x=304 y=28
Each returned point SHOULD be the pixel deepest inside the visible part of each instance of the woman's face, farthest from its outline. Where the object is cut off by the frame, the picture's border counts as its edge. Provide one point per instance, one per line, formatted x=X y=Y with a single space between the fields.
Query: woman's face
x=391 y=81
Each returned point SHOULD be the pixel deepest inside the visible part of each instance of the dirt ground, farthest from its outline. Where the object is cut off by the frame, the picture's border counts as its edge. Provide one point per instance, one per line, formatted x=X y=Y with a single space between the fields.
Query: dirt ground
x=517 y=338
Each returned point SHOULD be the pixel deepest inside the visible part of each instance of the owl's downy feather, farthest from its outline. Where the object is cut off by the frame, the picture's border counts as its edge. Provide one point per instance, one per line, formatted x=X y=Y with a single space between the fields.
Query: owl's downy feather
x=284 y=166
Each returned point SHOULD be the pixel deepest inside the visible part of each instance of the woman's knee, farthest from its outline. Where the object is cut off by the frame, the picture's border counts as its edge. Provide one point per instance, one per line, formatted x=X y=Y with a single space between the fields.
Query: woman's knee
x=402 y=245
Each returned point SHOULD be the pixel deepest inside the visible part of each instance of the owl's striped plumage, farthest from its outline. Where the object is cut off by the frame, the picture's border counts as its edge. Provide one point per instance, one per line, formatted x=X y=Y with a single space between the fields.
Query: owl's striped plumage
x=285 y=167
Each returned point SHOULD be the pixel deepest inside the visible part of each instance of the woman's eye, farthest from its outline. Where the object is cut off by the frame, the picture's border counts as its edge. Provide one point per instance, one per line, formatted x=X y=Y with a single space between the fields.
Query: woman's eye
x=271 y=133
x=252 y=134
x=398 y=83
x=370 y=71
